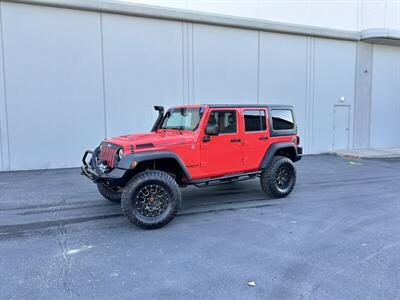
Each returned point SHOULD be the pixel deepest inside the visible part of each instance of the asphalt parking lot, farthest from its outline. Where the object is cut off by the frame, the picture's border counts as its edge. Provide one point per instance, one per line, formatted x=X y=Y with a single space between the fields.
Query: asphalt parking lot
x=337 y=236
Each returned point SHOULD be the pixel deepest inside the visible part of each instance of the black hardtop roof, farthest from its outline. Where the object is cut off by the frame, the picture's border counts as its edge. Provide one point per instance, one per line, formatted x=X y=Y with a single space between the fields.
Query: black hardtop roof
x=271 y=106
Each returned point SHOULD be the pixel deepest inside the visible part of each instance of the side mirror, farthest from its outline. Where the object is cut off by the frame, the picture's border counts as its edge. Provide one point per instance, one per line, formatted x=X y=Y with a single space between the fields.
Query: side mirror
x=212 y=129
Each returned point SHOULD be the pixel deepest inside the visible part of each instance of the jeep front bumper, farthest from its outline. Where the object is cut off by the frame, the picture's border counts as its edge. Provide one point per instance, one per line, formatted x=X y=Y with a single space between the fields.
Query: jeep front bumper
x=92 y=171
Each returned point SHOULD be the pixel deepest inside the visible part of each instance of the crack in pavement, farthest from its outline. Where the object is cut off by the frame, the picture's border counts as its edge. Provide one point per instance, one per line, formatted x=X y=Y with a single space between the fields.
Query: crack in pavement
x=66 y=266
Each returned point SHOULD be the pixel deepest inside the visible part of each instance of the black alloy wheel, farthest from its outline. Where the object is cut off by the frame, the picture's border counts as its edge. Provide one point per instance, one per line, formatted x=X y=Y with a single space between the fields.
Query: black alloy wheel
x=279 y=178
x=284 y=176
x=151 y=199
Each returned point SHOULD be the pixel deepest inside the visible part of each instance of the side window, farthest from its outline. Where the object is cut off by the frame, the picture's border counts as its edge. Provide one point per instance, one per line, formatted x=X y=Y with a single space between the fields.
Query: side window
x=282 y=119
x=254 y=120
x=225 y=119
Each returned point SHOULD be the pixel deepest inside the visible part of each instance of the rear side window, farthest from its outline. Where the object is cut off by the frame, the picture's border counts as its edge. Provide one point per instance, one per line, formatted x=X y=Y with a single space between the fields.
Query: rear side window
x=282 y=119
x=254 y=120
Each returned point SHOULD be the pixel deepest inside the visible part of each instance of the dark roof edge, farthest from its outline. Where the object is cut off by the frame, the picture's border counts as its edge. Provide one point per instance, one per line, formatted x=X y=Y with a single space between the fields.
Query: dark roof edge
x=149 y=11
x=283 y=106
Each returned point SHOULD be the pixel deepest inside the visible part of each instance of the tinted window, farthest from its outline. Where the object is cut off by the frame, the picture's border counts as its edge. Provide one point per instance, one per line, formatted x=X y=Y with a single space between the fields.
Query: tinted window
x=254 y=120
x=282 y=119
x=225 y=119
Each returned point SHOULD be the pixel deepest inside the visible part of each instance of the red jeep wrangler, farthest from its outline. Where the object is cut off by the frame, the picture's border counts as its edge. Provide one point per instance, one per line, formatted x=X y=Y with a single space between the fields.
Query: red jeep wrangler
x=200 y=145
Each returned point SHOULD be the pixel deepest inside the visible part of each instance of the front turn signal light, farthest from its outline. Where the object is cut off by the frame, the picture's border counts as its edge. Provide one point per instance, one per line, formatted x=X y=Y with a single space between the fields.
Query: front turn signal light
x=134 y=163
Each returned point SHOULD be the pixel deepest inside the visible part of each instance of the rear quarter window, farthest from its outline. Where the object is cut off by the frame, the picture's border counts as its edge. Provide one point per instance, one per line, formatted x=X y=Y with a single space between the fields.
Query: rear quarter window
x=254 y=120
x=282 y=119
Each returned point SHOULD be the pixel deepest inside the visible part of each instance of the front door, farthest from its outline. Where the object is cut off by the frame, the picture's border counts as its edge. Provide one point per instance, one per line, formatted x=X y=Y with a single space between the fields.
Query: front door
x=255 y=137
x=222 y=154
x=341 y=127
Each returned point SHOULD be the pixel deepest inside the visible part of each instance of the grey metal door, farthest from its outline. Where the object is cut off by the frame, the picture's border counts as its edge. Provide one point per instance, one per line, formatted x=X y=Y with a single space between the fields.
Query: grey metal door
x=341 y=126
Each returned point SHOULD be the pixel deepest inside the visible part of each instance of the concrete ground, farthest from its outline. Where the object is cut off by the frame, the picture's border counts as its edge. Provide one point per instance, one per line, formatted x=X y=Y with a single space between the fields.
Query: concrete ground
x=337 y=236
x=368 y=153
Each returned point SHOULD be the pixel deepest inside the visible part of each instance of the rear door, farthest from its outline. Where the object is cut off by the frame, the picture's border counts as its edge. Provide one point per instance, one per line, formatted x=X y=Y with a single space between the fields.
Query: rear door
x=255 y=137
x=222 y=154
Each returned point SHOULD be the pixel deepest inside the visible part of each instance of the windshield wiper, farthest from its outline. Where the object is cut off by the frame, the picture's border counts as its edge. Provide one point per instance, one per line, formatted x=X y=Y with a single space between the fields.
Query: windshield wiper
x=174 y=128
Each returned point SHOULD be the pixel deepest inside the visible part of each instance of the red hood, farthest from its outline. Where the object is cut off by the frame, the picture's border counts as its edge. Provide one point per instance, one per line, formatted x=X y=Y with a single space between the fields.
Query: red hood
x=158 y=139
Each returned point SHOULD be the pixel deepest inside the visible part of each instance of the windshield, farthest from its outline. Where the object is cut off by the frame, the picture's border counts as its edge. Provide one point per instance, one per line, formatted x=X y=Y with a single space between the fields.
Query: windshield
x=182 y=118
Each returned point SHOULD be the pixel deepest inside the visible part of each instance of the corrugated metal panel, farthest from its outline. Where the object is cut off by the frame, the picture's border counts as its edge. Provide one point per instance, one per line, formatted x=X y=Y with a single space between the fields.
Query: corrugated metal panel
x=385 y=107
x=334 y=77
x=143 y=65
x=283 y=75
x=225 y=64
x=54 y=84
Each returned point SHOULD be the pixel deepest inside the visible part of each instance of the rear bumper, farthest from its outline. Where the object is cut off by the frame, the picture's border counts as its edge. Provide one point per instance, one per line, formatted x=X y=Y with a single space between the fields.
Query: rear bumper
x=299 y=153
x=91 y=170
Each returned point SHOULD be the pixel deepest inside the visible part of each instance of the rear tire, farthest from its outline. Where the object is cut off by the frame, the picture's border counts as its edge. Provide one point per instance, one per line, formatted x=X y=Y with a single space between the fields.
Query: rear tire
x=151 y=199
x=109 y=193
x=279 y=178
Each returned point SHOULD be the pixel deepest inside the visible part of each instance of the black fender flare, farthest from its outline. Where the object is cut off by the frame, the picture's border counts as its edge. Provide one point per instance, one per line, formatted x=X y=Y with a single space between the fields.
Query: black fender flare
x=269 y=154
x=126 y=162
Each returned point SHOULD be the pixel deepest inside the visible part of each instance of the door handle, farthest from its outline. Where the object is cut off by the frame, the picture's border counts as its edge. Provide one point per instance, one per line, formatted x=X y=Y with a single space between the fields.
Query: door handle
x=263 y=138
x=236 y=140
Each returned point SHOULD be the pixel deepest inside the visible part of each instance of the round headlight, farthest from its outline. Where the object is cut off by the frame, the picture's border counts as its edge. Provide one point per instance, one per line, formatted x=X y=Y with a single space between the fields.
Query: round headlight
x=120 y=153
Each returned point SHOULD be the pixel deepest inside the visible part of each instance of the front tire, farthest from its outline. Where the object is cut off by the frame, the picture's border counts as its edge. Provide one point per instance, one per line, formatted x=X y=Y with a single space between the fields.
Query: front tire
x=279 y=178
x=151 y=199
x=109 y=193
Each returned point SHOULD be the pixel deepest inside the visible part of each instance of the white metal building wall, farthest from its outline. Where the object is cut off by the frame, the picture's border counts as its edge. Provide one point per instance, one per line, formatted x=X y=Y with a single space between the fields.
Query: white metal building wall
x=53 y=84
x=385 y=97
x=312 y=74
x=143 y=66
x=225 y=64
x=75 y=77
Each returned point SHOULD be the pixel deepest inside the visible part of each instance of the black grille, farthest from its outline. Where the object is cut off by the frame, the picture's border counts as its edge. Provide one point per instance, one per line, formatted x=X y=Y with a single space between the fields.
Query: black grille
x=108 y=153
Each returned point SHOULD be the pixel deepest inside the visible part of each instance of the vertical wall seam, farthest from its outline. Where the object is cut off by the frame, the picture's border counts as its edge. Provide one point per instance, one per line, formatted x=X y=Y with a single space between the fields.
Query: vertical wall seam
x=308 y=101
x=192 y=63
x=6 y=166
x=258 y=67
x=306 y=108
x=183 y=62
x=187 y=64
x=370 y=98
x=312 y=91
x=103 y=75
x=355 y=98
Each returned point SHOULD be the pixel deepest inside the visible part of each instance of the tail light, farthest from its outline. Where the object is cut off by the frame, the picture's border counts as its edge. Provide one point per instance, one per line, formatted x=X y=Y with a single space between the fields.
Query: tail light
x=296 y=140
